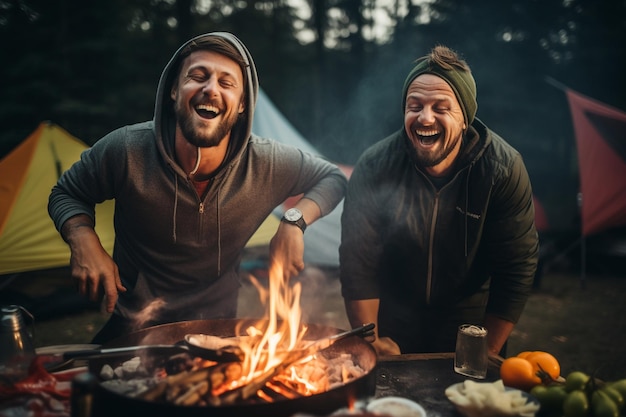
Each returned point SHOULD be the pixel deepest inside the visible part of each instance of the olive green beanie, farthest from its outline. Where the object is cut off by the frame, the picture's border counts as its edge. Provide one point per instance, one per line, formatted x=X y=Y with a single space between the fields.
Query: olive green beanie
x=462 y=83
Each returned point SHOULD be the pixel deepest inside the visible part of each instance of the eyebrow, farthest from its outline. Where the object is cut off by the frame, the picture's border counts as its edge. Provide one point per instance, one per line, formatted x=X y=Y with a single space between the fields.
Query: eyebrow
x=203 y=68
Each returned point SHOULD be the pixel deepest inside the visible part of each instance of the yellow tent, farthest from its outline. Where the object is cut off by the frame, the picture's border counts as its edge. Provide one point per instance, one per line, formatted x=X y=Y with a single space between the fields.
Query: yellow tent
x=28 y=239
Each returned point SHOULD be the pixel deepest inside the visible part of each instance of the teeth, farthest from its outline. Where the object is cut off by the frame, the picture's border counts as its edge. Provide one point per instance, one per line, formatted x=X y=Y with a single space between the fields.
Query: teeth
x=427 y=132
x=207 y=107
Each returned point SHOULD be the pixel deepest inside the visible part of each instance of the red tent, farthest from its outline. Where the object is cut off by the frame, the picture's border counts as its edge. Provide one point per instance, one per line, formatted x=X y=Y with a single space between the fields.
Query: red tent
x=541 y=218
x=600 y=132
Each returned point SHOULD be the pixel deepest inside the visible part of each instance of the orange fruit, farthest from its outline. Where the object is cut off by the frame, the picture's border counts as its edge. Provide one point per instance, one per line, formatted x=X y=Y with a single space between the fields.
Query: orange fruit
x=519 y=373
x=524 y=354
x=544 y=362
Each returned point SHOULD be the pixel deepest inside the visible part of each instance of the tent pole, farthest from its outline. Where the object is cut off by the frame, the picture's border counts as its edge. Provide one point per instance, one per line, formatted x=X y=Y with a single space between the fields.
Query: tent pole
x=555 y=83
x=583 y=262
x=583 y=243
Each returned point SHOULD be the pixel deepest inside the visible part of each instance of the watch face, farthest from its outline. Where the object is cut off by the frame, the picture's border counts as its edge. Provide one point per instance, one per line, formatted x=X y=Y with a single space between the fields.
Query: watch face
x=293 y=214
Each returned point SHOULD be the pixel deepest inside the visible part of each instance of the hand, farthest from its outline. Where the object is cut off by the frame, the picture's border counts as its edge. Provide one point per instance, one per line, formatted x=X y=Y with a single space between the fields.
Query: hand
x=287 y=250
x=96 y=273
x=90 y=265
x=386 y=346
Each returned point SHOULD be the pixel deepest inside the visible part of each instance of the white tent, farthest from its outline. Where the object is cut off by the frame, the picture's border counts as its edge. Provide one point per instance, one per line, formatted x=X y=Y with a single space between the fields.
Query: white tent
x=322 y=238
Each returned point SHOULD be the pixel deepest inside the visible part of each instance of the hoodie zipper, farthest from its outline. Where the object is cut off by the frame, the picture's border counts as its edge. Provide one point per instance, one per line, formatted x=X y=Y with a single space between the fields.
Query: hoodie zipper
x=201 y=205
x=431 y=244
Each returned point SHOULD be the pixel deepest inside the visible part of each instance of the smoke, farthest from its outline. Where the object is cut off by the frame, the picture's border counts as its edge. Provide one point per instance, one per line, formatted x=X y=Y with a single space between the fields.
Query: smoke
x=370 y=111
x=321 y=299
x=148 y=313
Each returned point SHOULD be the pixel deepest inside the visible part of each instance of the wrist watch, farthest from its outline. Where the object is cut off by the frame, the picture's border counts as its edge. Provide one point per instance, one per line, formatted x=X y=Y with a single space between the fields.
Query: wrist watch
x=294 y=216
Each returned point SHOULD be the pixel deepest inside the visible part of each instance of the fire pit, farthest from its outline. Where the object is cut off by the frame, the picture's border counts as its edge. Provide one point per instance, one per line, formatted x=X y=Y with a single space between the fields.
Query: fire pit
x=271 y=401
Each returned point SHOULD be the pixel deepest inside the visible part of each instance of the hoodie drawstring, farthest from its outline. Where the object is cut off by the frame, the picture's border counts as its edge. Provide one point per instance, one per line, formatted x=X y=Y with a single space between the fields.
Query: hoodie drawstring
x=175 y=206
x=219 y=231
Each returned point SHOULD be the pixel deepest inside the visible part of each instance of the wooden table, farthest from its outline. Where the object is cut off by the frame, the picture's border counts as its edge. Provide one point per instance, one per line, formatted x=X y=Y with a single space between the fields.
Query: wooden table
x=422 y=378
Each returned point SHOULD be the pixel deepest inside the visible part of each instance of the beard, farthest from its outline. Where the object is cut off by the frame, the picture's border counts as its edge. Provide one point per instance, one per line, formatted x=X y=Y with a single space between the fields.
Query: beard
x=203 y=138
x=427 y=159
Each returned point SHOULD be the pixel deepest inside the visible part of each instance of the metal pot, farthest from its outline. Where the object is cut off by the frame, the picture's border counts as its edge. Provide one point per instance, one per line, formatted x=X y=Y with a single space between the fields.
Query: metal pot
x=16 y=345
x=108 y=403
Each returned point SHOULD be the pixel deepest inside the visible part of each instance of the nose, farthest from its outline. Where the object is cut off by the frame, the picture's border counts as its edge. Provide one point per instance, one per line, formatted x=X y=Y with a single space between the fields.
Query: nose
x=426 y=116
x=209 y=86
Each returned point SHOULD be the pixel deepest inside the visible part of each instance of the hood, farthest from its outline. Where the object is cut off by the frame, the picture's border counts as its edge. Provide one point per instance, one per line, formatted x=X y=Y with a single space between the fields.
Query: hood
x=164 y=119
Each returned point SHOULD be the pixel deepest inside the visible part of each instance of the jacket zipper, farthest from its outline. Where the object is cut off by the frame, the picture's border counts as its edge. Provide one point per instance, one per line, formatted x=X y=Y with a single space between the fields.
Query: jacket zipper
x=431 y=250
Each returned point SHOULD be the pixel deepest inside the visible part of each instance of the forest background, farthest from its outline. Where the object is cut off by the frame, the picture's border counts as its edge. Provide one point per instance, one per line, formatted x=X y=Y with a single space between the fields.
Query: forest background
x=335 y=68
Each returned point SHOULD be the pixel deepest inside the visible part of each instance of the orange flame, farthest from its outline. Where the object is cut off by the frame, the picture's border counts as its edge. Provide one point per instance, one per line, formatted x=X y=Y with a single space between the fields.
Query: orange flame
x=283 y=329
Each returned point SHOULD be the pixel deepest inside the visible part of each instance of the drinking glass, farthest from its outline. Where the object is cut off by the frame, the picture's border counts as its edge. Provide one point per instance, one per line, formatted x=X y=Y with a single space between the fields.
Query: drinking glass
x=470 y=356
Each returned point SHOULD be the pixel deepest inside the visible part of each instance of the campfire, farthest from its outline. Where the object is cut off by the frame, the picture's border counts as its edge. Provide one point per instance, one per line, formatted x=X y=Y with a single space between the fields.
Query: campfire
x=278 y=361
x=203 y=383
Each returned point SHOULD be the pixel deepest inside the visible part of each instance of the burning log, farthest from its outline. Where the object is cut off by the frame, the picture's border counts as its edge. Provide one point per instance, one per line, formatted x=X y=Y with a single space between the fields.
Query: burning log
x=184 y=384
x=193 y=394
x=223 y=384
x=188 y=382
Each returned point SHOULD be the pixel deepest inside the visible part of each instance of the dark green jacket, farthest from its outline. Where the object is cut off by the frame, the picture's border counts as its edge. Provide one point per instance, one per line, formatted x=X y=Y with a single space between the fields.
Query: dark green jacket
x=439 y=257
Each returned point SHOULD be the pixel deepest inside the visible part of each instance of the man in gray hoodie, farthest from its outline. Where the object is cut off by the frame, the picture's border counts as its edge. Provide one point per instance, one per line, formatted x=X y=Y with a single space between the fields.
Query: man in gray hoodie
x=190 y=188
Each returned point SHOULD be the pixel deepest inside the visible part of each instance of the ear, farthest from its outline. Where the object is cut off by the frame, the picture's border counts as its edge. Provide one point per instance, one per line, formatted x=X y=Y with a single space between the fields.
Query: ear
x=242 y=107
x=173 y=93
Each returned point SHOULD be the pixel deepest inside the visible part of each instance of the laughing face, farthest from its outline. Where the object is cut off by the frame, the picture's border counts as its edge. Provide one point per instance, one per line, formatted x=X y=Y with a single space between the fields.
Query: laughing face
x=208 y=98
x=433 y=120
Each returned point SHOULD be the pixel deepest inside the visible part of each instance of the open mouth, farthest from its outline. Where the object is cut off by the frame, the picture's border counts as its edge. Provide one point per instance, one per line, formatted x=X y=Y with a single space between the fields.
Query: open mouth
x=427 y=137
x=207 y=111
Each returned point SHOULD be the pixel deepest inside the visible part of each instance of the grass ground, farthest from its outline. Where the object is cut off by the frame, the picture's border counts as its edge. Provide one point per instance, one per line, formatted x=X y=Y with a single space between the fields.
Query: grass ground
x=584 y=326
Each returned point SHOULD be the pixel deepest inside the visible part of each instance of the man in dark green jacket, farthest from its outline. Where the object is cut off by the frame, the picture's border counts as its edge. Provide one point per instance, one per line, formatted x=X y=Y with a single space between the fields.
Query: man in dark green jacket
x=438 y=223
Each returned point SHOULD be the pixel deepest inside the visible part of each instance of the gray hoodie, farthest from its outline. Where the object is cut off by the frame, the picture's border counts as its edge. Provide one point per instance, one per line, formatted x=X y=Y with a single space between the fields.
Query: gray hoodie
x=178 y=253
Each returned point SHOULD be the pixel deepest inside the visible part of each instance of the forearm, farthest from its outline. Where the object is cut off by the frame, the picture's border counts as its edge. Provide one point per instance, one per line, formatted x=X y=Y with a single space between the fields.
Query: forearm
x=329 y=191
x=361 y=312
x=498 y=331
x=71 y=225
x=310 y=210
x=78 y=231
